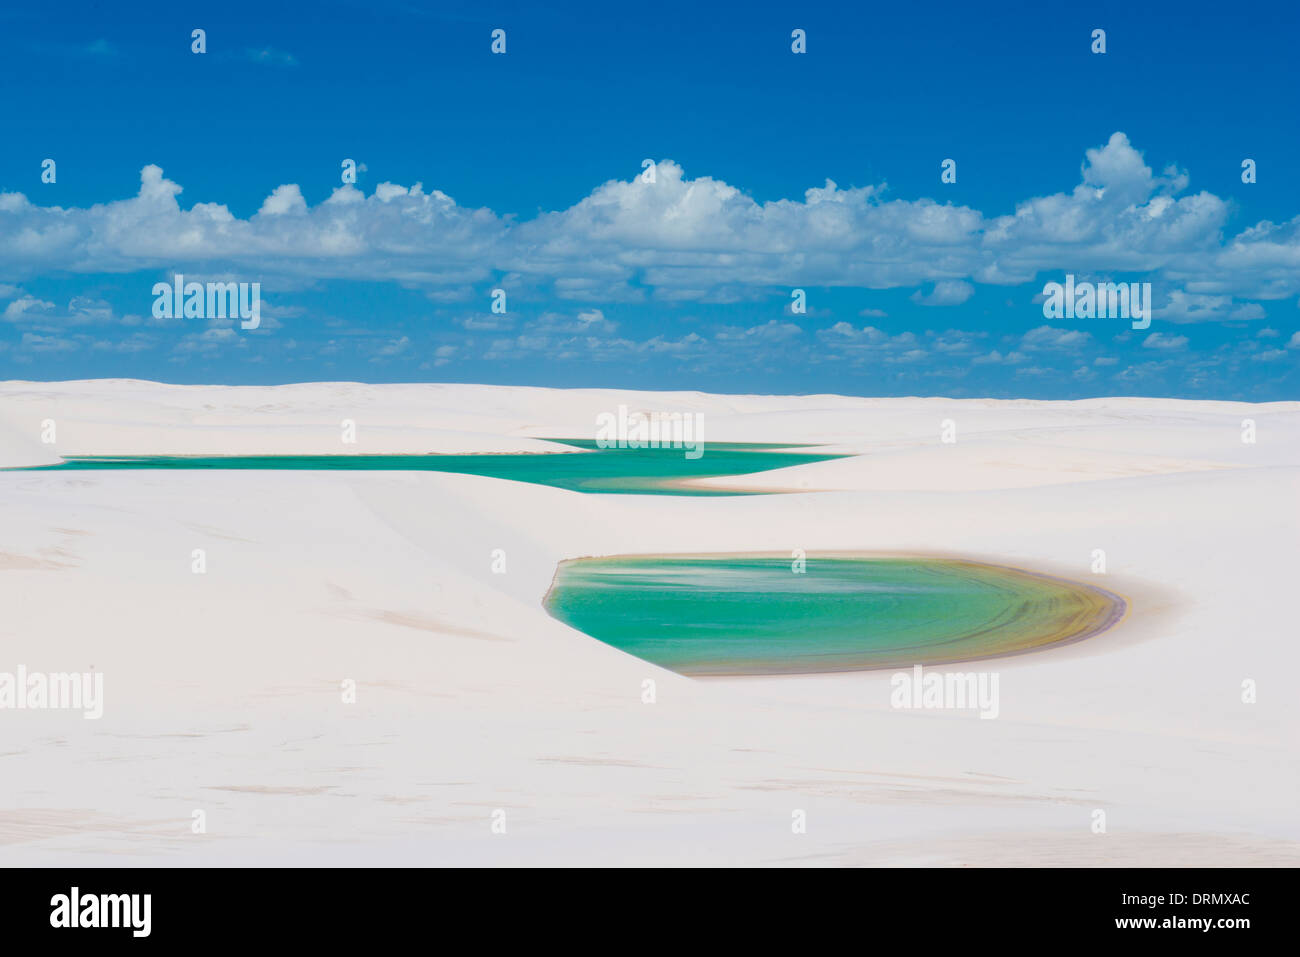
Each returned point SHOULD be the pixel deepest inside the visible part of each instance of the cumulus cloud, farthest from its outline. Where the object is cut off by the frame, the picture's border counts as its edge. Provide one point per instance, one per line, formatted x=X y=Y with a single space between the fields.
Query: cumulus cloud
x=1158 y=340
x=869 y=344
x=27 y=308
x=586 y=322
x=997 y=358
x=391 y=348
x=35 y=342
x=1050 y=338
x=946 y=292
x=689 y=239
x=285 y=199
x=770 y=331
x=1183 y=306
x=45 y=316
x=844 y=335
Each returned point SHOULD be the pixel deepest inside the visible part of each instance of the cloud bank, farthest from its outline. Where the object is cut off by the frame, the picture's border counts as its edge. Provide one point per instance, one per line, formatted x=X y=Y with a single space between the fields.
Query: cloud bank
x=682 y=239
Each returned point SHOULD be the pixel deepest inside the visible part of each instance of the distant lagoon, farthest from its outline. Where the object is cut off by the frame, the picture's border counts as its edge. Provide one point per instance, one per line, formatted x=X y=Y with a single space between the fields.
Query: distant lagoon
x=652 y=471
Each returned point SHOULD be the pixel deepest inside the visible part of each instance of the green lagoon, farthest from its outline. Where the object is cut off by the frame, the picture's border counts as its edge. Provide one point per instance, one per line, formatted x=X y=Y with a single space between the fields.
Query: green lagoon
x=753 y=615
x=659 y=471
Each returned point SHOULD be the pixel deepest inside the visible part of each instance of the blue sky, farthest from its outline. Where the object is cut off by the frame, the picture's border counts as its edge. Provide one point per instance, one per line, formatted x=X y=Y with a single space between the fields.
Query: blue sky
x=1117 y=167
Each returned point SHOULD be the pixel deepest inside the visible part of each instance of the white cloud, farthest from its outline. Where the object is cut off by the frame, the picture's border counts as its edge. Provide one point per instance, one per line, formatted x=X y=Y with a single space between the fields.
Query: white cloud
x=687 y=239
x=946 y=292
x=27 y=308
x=45 y=315
x=1048 y=337
x=588 y=322
x=34 y=342
x=1158 y=340
x=391 y=348
x=844 y=335
x=284 y=199
x=1186 y=306
x=770 y=331
x=997 y=358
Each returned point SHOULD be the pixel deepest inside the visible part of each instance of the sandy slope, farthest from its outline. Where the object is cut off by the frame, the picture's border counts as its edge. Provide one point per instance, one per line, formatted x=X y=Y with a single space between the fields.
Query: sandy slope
x=223 y=689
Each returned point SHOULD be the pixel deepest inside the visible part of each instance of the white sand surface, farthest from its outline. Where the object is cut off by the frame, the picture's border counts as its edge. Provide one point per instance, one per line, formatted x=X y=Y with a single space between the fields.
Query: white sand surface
x=222 y=690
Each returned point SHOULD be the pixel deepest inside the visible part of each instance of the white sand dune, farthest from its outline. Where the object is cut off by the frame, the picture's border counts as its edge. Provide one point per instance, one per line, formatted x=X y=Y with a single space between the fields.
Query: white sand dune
x=223 y=689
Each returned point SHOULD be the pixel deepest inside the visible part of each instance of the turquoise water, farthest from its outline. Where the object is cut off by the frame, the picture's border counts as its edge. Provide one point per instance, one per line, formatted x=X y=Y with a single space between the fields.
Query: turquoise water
x=612 y=471
x=747 y=615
